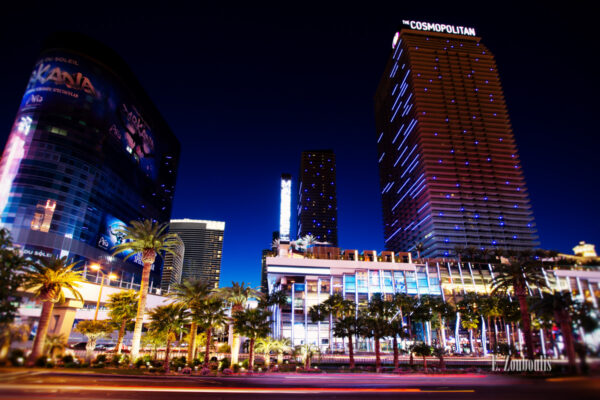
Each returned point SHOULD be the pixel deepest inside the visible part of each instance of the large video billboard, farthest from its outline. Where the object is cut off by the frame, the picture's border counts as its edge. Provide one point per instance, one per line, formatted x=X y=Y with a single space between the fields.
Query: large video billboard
x=63 y=82
x=110 y=236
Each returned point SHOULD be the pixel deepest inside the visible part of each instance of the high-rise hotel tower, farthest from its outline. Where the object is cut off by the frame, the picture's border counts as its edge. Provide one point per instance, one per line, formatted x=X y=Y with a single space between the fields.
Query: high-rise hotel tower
x=317 y=202
x=449 y=170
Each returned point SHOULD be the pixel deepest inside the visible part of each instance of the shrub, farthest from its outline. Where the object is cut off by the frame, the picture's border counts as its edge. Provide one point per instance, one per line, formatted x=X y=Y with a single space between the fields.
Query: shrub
x=17 y=357
x=142 y=361
x=197 y=361
x=236 y=368
x=213 y=365
x=177 y=362
x=72 y=365
x=245 y=363
x=205 y=372
x=225 y=364
x=100 y=359
x=227 y=371
x=68 y=358
x=41 y=361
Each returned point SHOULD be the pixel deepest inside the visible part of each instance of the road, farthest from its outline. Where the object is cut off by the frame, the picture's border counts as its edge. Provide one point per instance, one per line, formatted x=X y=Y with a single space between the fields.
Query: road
x=41 y=384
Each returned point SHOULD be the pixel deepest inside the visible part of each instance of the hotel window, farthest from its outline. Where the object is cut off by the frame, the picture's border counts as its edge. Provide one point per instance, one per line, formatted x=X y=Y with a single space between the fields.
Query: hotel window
x=374 y=283
x=361 y=277
x=399 y=282
x=350 y=283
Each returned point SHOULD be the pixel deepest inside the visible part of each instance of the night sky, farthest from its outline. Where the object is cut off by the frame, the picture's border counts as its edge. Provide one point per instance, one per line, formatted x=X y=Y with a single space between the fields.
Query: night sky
x=246 y=88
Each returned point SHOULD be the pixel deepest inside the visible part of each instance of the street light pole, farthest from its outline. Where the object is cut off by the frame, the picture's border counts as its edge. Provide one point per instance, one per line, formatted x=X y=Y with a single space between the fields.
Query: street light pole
x=96 y=267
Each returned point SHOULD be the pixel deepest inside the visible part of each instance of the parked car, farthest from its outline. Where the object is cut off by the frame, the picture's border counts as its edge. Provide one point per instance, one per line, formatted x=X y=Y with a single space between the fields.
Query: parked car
x=78 y=346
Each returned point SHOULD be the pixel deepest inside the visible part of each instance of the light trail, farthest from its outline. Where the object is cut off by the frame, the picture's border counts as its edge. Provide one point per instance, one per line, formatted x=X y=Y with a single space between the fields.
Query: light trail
x=204 y=389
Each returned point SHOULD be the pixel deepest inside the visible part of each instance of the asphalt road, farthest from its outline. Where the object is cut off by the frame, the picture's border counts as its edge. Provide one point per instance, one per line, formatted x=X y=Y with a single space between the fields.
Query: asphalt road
x=82 y=386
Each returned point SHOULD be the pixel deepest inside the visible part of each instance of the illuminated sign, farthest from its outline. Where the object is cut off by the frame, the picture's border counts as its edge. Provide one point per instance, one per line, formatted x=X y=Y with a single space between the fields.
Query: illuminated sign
x=441 y=28
x=285 y=208
x=111 y=235
x=396 y=39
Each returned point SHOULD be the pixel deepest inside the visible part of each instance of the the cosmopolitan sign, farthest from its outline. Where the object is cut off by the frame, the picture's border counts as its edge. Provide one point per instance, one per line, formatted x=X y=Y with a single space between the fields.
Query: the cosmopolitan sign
x=441 y=28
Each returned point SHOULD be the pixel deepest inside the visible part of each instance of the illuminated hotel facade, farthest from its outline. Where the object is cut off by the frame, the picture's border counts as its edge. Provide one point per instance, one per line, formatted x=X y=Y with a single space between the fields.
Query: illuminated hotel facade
x=310 y=278
x=450 y=173
x=317 y=200
x=88 y=153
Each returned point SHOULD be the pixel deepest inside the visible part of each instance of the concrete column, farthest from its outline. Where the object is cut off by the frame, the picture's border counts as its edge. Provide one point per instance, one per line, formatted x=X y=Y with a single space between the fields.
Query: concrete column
x=63 y=316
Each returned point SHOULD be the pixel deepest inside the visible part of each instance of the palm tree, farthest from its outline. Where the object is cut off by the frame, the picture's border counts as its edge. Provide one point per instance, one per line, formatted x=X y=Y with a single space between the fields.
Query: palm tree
x=123 y=308
x=419 y=247
x=424 y=350
x=168 y=321
x=307 y=351
x=48 y=279
x=254 y=324
x=237 y=295
x=470 y=314
x=149 y=239
x=405 y=305
x=12 y=263
x=193 y=293
x=516 y=276
x=55 y=345
x=265 y=346
x=9 y=334
x=277 y=299
x=155 y=340
x=93 y=330
x=209 y=314
x=374 y=322
x=561 y=306
x=347 y=327
x=490 y=308
x=281 y=346
x=337 y=307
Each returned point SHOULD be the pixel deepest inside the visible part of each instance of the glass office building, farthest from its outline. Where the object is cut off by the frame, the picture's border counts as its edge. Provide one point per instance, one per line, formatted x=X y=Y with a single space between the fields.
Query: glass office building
x=88 y=152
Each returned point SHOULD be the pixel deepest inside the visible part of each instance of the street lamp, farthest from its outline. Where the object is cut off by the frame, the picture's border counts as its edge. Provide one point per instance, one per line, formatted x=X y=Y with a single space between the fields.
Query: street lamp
x=96 y=267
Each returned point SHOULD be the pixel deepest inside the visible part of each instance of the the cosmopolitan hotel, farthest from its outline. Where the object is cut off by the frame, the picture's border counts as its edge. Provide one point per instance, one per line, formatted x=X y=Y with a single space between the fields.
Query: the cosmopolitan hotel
x=310 y=278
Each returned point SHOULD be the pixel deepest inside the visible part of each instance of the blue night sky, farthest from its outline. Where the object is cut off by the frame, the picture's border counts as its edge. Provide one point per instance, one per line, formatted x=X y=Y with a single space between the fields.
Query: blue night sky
x=247 y=88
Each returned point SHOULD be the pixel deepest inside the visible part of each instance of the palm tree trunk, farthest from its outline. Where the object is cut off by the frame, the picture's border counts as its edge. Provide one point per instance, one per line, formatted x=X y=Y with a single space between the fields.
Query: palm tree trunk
x=166 y=364
x=471 y=342
x=489 y=332
x=40 y=337
x=351 y=351
x=89 y=349
x=408 y=324
x=495 y=334
x=279 y=357
x=377 y=355
x=424 y=364
x=567 y=333
x=121 y=334
x=267 y=359
x=396 y=360
x=526 y=320
x=441 y=337
x=251 y=356
x=207 y=350
x=139 y=319
x=192 y=343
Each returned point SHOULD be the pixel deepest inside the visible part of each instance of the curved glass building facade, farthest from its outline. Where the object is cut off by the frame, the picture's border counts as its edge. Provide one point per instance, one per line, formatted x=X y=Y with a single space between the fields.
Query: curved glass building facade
x=88 y=152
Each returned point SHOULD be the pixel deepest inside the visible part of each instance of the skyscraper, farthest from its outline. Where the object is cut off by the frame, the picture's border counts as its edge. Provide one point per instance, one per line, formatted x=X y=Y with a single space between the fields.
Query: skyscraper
x=173 y=267
x=449 y=170
x=317 y=201
x=88 y=153
x=203 y=242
